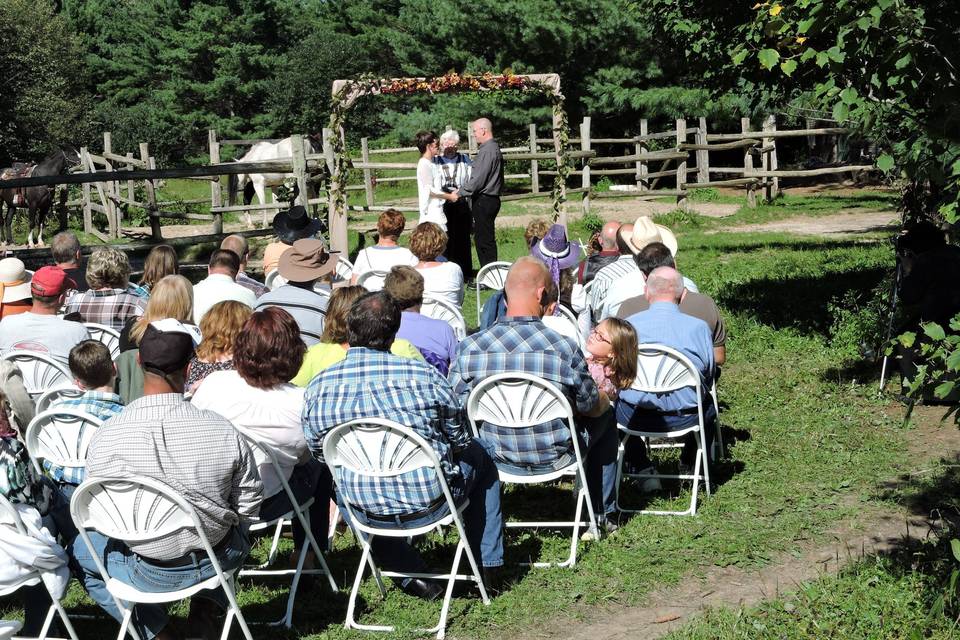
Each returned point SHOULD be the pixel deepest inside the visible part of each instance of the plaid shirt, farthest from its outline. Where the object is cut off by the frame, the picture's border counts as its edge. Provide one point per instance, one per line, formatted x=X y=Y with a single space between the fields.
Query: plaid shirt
x=606 y=277
x=374 y=384
x=96 y=403
x=524 y=344
x=139 y=290
x=110 y=307
x=258 y=288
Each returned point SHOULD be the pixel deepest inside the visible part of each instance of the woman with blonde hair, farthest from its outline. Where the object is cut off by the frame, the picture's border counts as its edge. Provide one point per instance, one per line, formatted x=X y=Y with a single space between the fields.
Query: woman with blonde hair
x=172 y=298
x=161 y=262
x=442 y=280
x=220 y=327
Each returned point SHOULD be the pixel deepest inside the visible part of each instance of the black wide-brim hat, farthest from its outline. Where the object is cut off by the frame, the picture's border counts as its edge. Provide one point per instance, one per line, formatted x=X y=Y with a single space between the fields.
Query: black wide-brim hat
x=294 y=224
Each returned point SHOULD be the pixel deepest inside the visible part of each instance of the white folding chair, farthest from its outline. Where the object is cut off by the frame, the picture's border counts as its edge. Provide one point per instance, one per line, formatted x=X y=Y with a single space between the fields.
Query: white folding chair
x=300 y=511
x=274 y=280
x=376 y=447
x=718 y=447
x=10 y=520
x=372 y=280
x=492 y=276
x=49 y=398
x=343 y=270
x=61 y=436
x=40 y=371
x=140 y=509
x=107 y=335
x=661 y=369
x=449 y=313
x=571 y=318
x=520 y=401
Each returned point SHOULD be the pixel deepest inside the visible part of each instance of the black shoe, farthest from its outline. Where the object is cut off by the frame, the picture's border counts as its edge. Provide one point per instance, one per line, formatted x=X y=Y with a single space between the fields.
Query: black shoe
x=423 y=589
x=493 y=580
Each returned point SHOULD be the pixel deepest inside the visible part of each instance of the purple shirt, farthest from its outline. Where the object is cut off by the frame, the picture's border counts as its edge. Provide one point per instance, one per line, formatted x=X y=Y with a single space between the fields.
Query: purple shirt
x=428 y=334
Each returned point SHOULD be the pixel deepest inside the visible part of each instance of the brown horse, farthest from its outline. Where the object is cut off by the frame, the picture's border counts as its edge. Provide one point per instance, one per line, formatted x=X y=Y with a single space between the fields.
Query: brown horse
x=37 y=200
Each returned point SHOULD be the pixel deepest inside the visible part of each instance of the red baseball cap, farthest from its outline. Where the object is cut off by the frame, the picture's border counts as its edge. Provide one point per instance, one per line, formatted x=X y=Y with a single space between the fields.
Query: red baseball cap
x=51 y=281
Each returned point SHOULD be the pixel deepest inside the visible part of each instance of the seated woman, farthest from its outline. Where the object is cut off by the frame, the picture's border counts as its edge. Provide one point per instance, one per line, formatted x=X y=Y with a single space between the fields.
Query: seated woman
x=172 y=297
x=333 y=343
x=15 y=296
x=386 y=253
x=219 y=327
x=441 y=280
x=160 y=263
x=258 y=399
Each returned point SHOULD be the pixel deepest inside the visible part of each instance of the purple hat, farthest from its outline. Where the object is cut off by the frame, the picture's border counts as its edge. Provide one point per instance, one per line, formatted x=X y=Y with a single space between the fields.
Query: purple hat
x=555 y=251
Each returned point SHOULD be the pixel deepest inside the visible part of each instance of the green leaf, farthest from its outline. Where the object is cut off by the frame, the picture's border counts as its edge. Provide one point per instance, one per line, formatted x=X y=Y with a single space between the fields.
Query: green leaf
x=822 y=58
x=904 y=61
x=804 y=25
x=806 y=55
x=934 y=331
x=788 y=66
x=953 y=361
x=885 y=162
x=849 y=95
x=864 y=23
x=955 y=547
x=739 y=56
x=835 y=54
x=943 y=389
x=841 y=111
x=907 y=339
x=768 y=58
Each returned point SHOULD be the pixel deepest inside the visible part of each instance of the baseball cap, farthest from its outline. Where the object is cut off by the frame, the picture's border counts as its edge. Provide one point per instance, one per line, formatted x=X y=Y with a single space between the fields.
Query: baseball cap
x=167 y=346
x=51 y=281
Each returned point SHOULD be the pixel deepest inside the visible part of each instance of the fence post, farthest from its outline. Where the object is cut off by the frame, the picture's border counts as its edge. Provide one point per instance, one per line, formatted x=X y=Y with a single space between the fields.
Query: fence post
x=703 y=155
x=640 y=147
x=336 y=223
x=87 y=211
x=112 y=190
x=534 y=164
x=300 y=169
x=216 y=196
x=681 y=165
x=367 y=173
x=471 y=141
x=131 y=190
x=770 y=158
x=748 y=166
x=155 y=231
x=585 y=146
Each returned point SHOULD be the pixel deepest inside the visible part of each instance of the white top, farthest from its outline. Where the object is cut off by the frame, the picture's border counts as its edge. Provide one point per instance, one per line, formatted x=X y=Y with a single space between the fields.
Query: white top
x=268 y=416
x=46 y=334
x=563 y=326
x=443 y=281
x=377 y=258
x=21 y=555
x=629 y=286
x=431 y=200
x=215 y=288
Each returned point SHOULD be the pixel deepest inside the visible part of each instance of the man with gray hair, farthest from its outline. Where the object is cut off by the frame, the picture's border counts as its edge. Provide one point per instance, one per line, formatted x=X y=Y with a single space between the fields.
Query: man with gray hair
x=454 y=170
x=484 y=188
x=664 y=323
x=65 y=249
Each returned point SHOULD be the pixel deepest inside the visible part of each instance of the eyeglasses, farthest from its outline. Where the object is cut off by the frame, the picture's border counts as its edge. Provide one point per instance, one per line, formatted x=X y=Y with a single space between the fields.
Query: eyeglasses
x=596 y=335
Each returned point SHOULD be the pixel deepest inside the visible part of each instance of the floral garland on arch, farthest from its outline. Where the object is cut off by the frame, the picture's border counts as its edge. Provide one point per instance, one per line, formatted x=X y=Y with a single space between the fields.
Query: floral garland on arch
x=346 y=93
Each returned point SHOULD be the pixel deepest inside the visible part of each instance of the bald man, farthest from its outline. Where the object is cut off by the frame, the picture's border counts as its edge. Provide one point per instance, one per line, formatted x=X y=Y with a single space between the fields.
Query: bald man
x=238 y=244
x=520 y=342
x=484 y=188
x=608 y=253
x=664 y=323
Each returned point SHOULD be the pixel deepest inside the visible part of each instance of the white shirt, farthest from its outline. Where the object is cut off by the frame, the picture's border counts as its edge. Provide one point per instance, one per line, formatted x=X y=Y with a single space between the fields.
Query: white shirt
x=431 y=204
x=629 y=286
x=270 y=416
x=443 y=281
x=21 y=555
x=51 y=335
x=377 y=258
x=215 y=288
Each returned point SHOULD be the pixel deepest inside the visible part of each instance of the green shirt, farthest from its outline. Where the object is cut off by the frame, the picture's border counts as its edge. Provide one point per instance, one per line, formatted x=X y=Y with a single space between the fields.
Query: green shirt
x=322 y=355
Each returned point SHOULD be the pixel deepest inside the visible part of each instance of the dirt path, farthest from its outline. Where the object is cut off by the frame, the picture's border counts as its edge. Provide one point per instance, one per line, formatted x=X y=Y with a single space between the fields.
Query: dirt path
x=857 y=221
x=667 y=609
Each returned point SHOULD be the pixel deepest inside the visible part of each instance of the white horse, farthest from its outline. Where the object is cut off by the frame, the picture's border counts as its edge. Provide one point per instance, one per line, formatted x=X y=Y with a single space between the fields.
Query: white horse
x=257 y=183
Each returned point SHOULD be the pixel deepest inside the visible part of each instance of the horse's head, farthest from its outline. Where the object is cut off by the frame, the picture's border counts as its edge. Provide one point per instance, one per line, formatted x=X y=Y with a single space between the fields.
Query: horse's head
x=316 y=142
x=70 y=155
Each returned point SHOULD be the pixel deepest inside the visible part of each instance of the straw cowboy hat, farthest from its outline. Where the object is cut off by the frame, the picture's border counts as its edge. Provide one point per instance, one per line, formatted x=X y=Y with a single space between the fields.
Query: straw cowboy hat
x=306 y=260
x=646 y=231
x=294 y=224
x=14 y=281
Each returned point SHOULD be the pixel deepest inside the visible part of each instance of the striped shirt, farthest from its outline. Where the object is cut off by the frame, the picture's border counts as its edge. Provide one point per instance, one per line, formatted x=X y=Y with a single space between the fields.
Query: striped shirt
x=606 y=277
x=197 y=453
x=526 y=345
x=307 y=307
x=376 y=384
x=256 y=286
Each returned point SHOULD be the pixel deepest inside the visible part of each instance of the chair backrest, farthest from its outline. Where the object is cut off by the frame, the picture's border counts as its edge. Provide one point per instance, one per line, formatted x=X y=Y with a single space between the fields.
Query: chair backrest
x=107 y=335
x=661 y=369
x=493 y=275
x=372 y=280
x=517 y=400
x=449 y=313
x=568 y=316
x=320 y=290
x=40 y=371
x=61 y=436
x=274 y=280
x=343 y=270
x=377 y=447
x=48 y=398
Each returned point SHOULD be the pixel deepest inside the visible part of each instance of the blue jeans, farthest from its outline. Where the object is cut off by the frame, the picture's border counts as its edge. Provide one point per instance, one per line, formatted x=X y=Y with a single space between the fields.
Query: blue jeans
x=635 y=452
x=308 y=480
x=598 y=446
x=139 y=572
x=482 y=519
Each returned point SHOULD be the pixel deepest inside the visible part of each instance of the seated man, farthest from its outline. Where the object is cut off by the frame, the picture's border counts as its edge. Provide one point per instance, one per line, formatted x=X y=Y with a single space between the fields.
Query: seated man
x=694 y=304
x=238 y=244
x=93 y=371
x=303 y=265
x=41 y=329
x=606 y=253
x=520 y=342
x=373 y=383
x=109 y=300
x=664 y=323
x=200 y=456
x=220 y=284
x=434 y=338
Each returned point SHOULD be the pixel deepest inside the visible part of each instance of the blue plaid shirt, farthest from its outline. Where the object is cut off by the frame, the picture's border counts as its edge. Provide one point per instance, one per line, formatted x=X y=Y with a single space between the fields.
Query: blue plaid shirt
x=96 y=403
x=525 y=344
x=375 y=384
